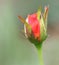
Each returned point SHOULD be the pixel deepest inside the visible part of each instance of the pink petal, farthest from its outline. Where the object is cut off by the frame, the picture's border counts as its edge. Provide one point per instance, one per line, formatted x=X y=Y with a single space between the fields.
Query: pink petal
x=33 y=21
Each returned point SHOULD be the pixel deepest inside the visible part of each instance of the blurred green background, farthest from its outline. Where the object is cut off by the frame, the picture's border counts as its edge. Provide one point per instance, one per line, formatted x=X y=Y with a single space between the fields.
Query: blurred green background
x=15 y=49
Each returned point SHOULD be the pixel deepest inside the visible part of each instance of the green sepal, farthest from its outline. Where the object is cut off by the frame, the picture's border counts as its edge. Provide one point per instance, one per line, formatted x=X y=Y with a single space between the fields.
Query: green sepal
x=25 y=23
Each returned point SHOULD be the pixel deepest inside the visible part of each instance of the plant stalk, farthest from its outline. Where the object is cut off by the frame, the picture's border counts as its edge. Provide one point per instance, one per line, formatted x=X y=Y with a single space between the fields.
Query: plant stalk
x=40 y=55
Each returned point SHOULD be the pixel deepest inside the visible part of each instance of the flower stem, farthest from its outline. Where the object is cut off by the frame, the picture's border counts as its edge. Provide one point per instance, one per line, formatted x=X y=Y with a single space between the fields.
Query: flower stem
x=40 y=56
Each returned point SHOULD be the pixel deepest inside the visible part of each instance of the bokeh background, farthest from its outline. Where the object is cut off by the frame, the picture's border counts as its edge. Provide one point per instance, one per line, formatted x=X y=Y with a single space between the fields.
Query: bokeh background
x=15 y=49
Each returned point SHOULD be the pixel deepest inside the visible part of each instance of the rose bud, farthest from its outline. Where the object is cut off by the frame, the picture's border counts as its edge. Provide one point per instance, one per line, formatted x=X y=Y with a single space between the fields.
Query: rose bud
x=35 y=26
x=38 y=23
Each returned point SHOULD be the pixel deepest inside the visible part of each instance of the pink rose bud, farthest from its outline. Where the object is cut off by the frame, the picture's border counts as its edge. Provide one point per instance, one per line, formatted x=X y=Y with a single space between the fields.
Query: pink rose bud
x=35 y=26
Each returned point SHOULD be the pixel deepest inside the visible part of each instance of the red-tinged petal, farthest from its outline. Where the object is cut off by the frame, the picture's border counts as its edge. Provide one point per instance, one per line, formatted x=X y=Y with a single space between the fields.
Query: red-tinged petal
x=33 y=21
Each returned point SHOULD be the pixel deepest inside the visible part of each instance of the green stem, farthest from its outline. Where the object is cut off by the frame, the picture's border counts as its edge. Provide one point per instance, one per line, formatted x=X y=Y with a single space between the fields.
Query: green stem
x=39 y=48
